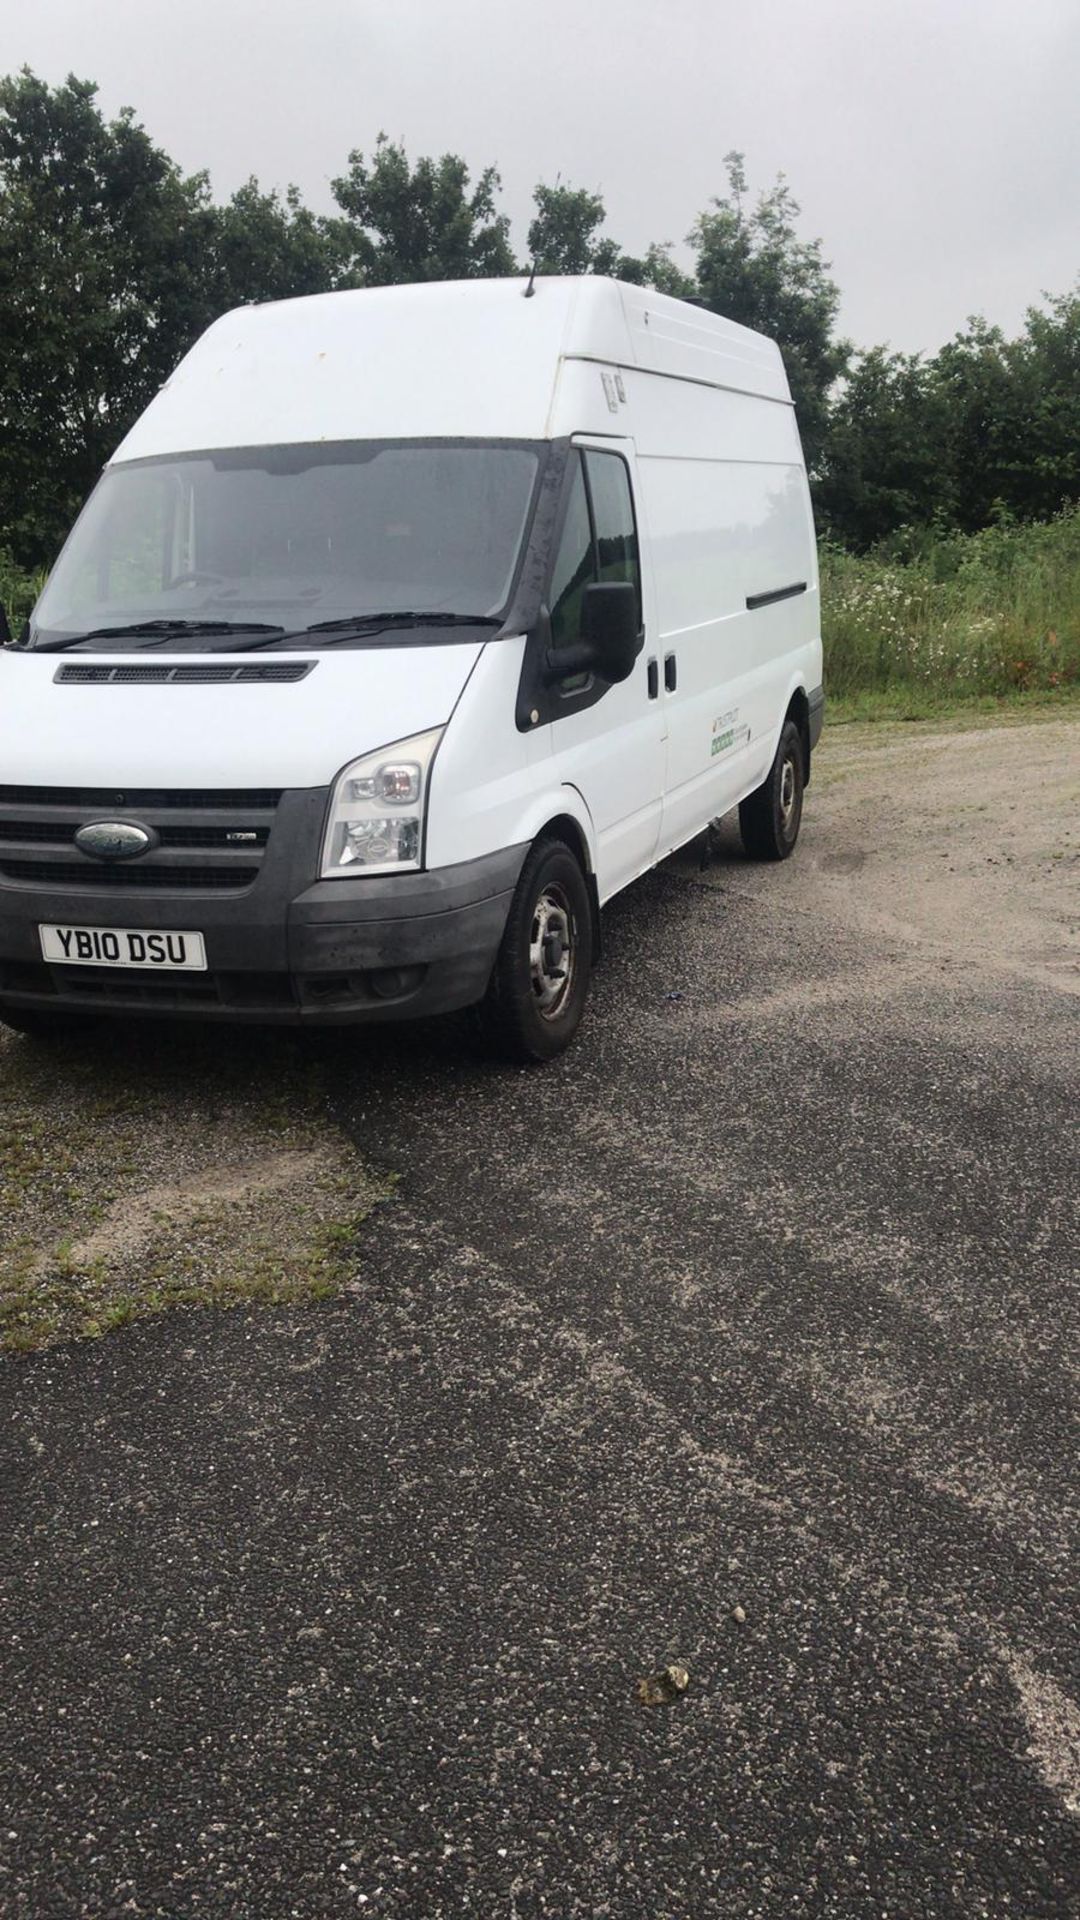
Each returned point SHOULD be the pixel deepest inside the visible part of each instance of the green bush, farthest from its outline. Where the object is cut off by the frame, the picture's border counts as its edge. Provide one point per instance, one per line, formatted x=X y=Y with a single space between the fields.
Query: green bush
x=18 y=590
x=990 y=612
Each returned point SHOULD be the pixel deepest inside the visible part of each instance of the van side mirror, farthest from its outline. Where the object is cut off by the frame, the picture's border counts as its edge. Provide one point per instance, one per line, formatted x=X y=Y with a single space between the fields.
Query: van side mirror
x=610 y=626
x=610 y=634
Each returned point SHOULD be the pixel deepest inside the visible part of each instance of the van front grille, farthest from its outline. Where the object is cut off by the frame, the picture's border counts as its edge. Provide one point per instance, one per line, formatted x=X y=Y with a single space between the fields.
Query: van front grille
x=227 y=832
x=89 y=873
x=61 y=834
x=193 y=800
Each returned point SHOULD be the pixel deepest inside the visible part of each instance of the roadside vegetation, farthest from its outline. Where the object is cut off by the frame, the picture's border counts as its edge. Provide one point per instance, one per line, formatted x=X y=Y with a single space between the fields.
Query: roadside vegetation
x=928 y=621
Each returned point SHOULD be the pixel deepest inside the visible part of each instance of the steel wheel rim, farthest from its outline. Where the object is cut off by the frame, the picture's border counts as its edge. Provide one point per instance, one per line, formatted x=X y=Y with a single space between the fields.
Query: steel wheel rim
x=789 y=793
x=552 y=952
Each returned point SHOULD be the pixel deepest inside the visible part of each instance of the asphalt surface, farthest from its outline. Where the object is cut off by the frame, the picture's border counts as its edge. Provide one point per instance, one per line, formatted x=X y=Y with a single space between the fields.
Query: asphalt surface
x=744 y=1336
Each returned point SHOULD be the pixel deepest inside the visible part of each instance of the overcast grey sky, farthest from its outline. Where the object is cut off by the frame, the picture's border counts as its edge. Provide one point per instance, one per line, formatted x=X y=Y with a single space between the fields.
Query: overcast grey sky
x=934 y=144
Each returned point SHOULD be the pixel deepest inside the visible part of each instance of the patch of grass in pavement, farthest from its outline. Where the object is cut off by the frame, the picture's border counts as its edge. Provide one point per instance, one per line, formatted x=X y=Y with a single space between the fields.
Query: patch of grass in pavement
x=142 y=1170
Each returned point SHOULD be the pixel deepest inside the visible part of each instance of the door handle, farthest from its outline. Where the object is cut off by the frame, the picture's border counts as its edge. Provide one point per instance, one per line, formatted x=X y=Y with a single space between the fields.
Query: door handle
x=654 y=680
x=671 y=673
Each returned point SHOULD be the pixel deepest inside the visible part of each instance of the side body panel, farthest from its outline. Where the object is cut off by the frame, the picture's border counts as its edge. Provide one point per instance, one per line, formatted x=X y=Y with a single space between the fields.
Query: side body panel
x=491 y=785
x=724 y=517
x=725 y=498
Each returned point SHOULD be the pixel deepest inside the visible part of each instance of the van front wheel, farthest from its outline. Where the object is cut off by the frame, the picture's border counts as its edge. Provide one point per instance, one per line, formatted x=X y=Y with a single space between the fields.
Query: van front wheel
x=540 y=980
x=769 y=818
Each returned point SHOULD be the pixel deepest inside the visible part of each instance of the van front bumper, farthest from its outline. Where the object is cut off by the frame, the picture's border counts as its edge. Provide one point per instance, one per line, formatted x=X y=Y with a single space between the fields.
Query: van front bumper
x=338 y=952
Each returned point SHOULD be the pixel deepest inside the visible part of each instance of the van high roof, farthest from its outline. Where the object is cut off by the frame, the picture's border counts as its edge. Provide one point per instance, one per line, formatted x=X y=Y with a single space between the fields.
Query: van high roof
x=475 y=359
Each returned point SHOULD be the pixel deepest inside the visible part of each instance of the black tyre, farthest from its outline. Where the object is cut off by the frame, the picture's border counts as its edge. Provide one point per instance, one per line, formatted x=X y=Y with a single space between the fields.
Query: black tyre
x=769 y=818
x=540 y=981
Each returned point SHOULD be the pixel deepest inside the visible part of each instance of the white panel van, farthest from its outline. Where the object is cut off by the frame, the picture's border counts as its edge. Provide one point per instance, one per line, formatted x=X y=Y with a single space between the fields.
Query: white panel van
x=405 y=628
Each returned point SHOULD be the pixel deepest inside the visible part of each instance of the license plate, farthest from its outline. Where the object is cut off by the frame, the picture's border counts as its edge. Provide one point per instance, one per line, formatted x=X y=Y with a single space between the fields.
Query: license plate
x=123 y=947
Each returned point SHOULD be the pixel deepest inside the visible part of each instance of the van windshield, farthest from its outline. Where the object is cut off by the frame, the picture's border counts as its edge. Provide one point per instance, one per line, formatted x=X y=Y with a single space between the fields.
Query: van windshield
x=293 y=538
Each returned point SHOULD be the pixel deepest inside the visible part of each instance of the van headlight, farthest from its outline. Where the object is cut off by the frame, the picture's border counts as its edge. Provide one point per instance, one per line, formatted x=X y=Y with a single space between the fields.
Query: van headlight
x=376 y=822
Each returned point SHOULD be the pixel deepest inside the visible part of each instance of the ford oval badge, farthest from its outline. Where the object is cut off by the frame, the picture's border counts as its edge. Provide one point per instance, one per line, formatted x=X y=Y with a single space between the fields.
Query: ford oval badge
x=113 y=840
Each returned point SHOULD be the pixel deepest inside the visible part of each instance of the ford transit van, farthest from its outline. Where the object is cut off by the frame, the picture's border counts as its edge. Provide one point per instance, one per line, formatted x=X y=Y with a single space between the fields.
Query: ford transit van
x=405 y=628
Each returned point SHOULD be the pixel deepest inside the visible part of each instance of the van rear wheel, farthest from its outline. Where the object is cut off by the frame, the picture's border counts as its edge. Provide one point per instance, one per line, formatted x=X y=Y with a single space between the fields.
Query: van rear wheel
x=770 y=817
x=540 y=980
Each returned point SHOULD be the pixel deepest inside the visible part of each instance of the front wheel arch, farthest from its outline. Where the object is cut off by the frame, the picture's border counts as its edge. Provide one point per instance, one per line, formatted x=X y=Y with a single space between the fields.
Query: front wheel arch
x=524 y=1012
x=565 y=828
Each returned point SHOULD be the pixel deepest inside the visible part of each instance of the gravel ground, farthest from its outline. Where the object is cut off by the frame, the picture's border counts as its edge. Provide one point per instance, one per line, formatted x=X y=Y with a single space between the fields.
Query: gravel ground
x=743 y=1338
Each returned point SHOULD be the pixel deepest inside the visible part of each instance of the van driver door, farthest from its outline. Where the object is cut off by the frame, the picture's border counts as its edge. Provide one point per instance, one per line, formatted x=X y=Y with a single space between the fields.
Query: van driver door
x=608 y=741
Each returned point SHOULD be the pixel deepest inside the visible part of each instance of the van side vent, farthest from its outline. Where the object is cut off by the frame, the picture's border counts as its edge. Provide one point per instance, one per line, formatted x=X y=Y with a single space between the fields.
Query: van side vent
x=159 y=674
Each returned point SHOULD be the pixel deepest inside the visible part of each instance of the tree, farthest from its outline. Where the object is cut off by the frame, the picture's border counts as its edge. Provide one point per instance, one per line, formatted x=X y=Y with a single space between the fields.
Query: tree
x=103 y=245
x=657 y=269
x=1012 y=415
x=268 y=246
x=881 y=464
x=1051 y=351
x=564 y=237
x=407 y=223
x=986 y=427
x=982 y=391
x=754 y=268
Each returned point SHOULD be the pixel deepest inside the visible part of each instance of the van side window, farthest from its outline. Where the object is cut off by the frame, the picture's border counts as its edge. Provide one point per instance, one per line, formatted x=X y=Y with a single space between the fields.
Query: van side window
x=613 y=517
x=574 y=565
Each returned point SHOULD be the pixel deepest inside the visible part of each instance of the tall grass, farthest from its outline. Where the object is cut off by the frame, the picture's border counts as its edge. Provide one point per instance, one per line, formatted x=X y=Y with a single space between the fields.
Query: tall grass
x=994 y=612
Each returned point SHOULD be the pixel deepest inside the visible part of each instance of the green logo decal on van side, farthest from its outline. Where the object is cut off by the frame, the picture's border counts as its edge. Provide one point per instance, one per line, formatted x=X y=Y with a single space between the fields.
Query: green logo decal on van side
x=728 y=733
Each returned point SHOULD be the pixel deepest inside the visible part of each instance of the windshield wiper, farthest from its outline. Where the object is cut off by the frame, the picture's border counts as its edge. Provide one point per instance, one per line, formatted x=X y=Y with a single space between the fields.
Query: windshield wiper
x=399 y=618
x=155 y=629
x=351 y=623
